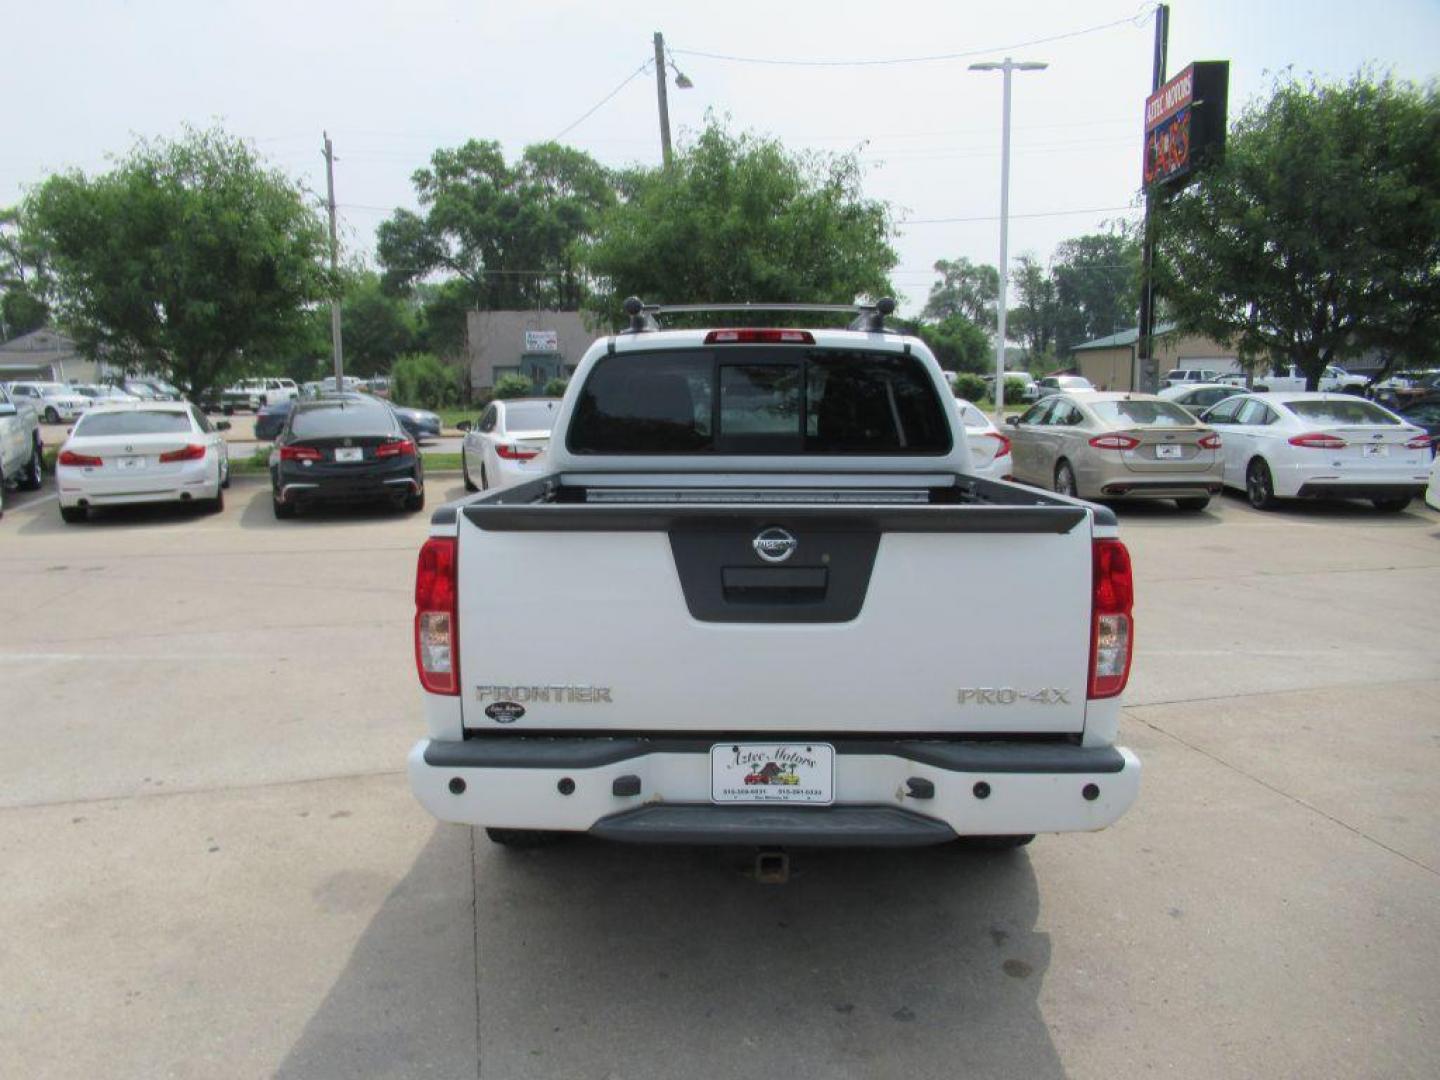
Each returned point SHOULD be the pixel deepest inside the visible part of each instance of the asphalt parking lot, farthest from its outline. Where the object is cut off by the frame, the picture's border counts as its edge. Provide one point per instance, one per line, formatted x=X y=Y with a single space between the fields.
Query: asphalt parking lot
x=212 y=865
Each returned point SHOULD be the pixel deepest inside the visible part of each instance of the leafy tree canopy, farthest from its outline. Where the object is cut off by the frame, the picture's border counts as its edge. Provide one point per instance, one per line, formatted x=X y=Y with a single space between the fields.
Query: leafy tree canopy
x=738 y=218
x=964 y=288
x=377 y=326
x=509 y=231
x=187 y=258
x=1096 y=286
x=1318 y=235
x=958 y=344
x=26 y=286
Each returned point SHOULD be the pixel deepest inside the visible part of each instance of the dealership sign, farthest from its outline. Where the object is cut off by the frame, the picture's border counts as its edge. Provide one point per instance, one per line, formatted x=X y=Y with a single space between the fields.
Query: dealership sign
x=1185 y=123
x=542 y=341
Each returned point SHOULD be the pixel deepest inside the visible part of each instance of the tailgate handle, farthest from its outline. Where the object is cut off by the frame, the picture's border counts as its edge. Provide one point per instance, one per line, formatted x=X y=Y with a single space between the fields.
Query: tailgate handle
x=777 y=585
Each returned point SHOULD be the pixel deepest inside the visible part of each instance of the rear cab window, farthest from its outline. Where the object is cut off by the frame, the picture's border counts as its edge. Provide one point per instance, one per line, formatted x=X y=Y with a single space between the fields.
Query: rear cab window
x=759 y=400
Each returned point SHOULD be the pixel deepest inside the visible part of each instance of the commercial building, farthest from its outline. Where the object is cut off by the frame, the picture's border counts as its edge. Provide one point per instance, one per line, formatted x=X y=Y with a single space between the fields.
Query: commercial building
x=540 y=345
x=1109 y=362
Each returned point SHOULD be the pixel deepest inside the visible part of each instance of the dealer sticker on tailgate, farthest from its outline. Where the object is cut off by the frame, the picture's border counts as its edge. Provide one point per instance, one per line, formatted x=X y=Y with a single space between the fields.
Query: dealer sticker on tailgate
x=772 y=773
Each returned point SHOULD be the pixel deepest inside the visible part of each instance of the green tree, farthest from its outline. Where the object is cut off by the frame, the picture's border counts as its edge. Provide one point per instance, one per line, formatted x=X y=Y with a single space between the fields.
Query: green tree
x=970 y=386
x=424 y=381
x=444 y=308
x=738 y=218
x=513 y=386
x=509 y=232
x=1318 y=235
x=958 y=344
x=376 y=326
x=1034 y=317
x=965 y=288
x=1096 y=280
x=189 y=258
x=26 y=286
x=556 y=387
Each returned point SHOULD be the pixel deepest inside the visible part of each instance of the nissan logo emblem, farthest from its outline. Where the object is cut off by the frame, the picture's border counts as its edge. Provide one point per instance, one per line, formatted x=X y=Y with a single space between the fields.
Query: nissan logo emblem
x=775 y=545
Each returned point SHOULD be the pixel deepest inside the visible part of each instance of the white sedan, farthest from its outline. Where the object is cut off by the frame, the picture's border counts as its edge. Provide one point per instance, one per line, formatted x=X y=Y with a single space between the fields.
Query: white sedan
x=503 y=448
x=1321 y=446
x=148 y=451
x=989 y=446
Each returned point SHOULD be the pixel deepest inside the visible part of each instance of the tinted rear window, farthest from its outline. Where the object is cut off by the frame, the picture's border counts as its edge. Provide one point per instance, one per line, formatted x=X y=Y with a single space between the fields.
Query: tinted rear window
x=759 y=400
x=1150 y=413
x=138 y=422
x=349 y=420
x=1340 y=412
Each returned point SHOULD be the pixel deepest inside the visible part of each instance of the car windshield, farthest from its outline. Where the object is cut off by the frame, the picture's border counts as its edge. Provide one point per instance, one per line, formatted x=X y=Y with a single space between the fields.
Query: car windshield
x=1073 y=382
x=134 y=422
x=1142 y=413
x=1352 y=411
x=359 y=419
x=531 y=415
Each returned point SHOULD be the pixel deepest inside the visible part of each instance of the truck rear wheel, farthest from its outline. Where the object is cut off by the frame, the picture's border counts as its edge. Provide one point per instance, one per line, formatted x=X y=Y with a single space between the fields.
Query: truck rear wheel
x=522 y=839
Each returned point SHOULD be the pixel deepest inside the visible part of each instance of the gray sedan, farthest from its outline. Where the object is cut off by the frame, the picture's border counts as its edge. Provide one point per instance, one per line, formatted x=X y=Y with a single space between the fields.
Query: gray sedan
x=1117 y=446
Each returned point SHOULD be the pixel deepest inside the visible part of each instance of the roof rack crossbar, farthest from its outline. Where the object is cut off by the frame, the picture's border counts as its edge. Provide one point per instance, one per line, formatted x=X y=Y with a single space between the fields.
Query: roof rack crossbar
x=867 y=317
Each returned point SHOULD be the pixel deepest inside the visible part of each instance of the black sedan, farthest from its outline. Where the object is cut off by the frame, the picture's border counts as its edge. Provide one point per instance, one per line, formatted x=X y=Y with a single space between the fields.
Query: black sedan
x=420 y=423
x=344 y=451
x=1424 y=412
x=270 y=419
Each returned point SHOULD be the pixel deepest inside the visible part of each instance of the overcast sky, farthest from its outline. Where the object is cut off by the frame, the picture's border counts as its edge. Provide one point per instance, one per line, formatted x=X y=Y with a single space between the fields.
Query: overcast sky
x=393 y=81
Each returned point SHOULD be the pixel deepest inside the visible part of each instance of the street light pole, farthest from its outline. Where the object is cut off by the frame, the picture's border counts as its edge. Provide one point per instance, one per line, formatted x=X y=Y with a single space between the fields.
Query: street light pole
x=1007 y=66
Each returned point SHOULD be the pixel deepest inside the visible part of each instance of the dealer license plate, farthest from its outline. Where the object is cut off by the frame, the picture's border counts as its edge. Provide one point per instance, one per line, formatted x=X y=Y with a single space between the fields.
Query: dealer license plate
x=1168 y=452
x=130 y=463
x=1377 y=450
x=772 y=773
x=350 y=453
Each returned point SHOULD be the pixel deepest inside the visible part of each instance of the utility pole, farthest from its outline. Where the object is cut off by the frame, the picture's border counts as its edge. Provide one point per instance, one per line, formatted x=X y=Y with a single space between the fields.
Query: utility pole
x=664 y=101
x=1145 y=337
x=1008 y=67
x=335 y=345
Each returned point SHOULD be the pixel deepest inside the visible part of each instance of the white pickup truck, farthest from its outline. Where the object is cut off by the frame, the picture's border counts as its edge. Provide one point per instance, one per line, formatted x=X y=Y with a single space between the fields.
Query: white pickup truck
x=1289 y=377
x=759 y=598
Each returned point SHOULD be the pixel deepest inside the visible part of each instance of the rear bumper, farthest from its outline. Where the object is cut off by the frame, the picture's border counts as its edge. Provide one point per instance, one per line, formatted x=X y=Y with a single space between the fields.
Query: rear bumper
x=974 y=788
x=1161 y=489
x=1323 y=489
x=192 y=480
x=313 y=485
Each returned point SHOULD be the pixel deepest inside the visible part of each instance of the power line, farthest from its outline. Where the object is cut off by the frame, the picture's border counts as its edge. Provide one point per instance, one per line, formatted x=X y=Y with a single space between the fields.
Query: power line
x=594 y=108
x=996 y=217
x=1134 y=20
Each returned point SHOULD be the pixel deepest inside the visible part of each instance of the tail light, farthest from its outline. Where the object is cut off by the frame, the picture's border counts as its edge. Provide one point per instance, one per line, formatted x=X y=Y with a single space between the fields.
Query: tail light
x=69 y=457
x=1419 y=442
x=1318 y=440
x=1003 y=440
x=395 y=448
x=299 y=453
x=436 y=639
x=515 y=453
x=193 y=452
x=1210 y=442
x=1114 y=442
x=759 y=336
x=1112 y=633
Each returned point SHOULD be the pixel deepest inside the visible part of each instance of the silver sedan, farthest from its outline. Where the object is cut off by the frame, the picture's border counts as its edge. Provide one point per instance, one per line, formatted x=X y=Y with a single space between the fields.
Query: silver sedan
x=1117 y=446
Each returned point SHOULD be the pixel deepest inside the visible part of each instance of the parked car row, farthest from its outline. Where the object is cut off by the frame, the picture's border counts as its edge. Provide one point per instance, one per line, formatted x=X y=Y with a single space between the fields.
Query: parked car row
x=1271 y=446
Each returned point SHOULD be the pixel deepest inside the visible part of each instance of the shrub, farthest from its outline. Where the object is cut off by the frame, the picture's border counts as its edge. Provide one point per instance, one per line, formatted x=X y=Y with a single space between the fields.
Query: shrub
x=970 y=387
x=423 y=381
x=556 y=387
x=513 y=386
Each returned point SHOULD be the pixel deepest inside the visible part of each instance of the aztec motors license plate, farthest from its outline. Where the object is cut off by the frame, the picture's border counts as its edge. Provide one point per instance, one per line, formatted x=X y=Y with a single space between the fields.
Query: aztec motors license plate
x=772 y=773
x=1377 y=450
x=1168 y=451
x=130 y=462
x=350 y=453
